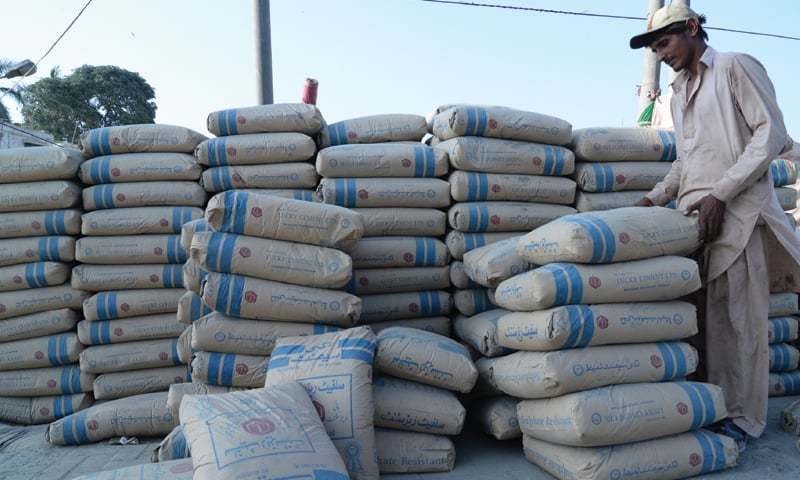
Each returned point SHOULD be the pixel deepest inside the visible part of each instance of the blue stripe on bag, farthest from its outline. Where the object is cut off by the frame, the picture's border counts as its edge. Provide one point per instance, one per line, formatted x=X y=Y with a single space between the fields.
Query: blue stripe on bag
x=483 y=186
x=222 y=151
x=473 y=218
x=574 y=325
x=560 y=280
x=52 y=352
x=222 y=294
x=484 y=216
x=708 y=402
x=424 y=303
x=471 y=120
x=61 y=222
x=226 y=256
x=65 y=380
x=430 y=162
x=63 y=357
x=419 y=162
x=228 y=364
x=213 y=251
x=680 y=359
x=419 y=251
x=75 y=377
x=236 y=296
x=213 y=368
x=560 y=161
x=549 y=160
x=105 y=333
x=669 y=366
x=94 y=142
x=105 y=141
x=587 y=320
x=58 y=403
x=482 y=115
x=608 y=236
x=111 y=298
x=472 y=186
x=174 y=353
x=222 y=122
x=430 y=255
x=352 y=190
x=705 y=446
x=436 y=303
x=338 y=188
x=576 y=284
x=697 y=406
x=594 y=233
x=212 y=153
x=108 y=196
x=94 y=333
x=719 y=450
x=30 y=276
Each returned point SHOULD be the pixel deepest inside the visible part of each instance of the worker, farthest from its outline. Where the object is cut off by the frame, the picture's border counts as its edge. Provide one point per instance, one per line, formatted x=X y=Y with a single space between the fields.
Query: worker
x=728 y=129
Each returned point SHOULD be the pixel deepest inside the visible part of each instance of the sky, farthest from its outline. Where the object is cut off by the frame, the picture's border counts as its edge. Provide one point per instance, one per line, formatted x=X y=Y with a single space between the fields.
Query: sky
x=388 y=56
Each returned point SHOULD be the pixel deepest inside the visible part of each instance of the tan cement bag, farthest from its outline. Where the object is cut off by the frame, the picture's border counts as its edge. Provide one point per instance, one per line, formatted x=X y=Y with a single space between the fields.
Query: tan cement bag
x=264 y=433
x=277 y=260
x=382 y=160
x=783 y=171
x=42 y=382
x=622 y=413
x=281 y=117
x=440 y=325
x=480 y=332
x=131 y=303
x=38 y=324
x=257 y=299
x=139 y=167
x=669 y=458
x=97 y=278
x=618 y=176
x=501 y=122
x=138 y=220
x=399 y=306
x=229 y=369
x=283 y=219
x=304 y=194
x=787 y=197
x=481 y=187
x=624 y=145
x=127 y=384
x=782 y=358
x=173 y=470
x=130 y=249
x=459 y=278
x=652 y=279
x=35 y=300
x=786 y=383
x=415 y=407
x=173 y=447
x=612 y=236
x=123 y=357
x=103 y=332
x=497 y=416
x=409 y=452
x=577 y=326
x=491 y=155
x=34 y=224
x=191 y=308
x=459 y=243
x=392 y=252
x=138 y=416
x=385 y=192
x=486 y=385
x=33 y=275
x=490 y=265
x=374 y=129
x=178 y=390
x=31 y=164
x=418 y=222
x=190 y=228
x=336 y=371
x=39 y=410
x=139 y=138
x=36 y=249
x=472 y=302
x=551 y=374
x=26 y=197
x=144 y=194
x=781 y=329
x=193 y=276
x=255 y=149
x=276 y=175
x=503 y=216
x=50 y=351
x=397 y=280
x=185 y=350
x=781 y=304
x=593 y=202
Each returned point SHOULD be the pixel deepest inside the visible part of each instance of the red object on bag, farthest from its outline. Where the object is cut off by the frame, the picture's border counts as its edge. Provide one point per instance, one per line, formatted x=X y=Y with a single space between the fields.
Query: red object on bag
x=310 y=91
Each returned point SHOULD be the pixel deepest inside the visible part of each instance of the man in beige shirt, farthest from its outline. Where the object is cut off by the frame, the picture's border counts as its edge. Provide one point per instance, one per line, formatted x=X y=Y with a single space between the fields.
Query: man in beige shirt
x=728 y=129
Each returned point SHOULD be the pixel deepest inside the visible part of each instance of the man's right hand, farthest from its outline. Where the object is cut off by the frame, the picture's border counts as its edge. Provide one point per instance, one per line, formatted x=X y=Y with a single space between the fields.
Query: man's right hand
x=645 y=202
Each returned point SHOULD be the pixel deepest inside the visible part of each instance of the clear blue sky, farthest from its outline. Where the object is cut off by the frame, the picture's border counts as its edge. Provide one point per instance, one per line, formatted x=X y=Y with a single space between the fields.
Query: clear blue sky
x=389 y=56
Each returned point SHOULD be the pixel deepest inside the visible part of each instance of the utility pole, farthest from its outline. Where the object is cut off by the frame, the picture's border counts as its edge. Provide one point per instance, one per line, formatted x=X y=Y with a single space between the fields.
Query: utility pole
x=651 y=81
x=263 y=52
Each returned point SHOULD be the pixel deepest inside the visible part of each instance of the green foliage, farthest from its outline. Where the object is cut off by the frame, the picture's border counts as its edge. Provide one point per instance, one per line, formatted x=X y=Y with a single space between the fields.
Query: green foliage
x=7 y=93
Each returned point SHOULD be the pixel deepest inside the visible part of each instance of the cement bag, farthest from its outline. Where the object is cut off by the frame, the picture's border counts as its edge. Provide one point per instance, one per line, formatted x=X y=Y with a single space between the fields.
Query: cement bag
x=103 y=332
x=787 y=383
x=480 y=332
x=173 y=447
x=131 y=303
x=624 y=145
x=39 y=410
x=281 y=117
x=96 y=278
x=33 y=275
x=193 y=276
x=173 y=470
x=257 y=299
x=503 y=216
x=618 y=176
x=336 y=371
x=418 y=222
x=414 y=407
x=669 y=458
x=139 y=167
x=276 y=175
x=306 y=195
x=26 y=197
x=109 y=386
x=122 y=357
x=783 y=329
x=491 y=155
x=264 y=433
x=593 y=202
x=41 y=382
x=130 y=249
x=497 y=416
x=138 y=221
x=385 y=192
x=255 y=149
x=551 y=374
x=229 y=369
x=283 y=219
x=486 y=385
x=31 y=164
x=409 y=452
x=191 y=308
x=790 y=418
x=217 y=333
x=652 y=279
x=147 y=137
x=782 y=358
x=396 y=280
x=781 y=304
x=374 y=129
x=578 y=326
x=613 y=236
x=480 y=187
x=784 y=172
x=50 y=351
x=501 y=122
x=38 y=324
x=190 y=228
x=178 y=390
x=459 y=243
x=382 y=160
x=36 y=249
x=490 y=265
x=459 y=278
x=35 y=300
x=787 y=197
x=138 y=416
x=472 y=302
x=399 y=306
x=185 y=350
x=440 y=325
x=33 y=224
x=392 y=252
x=281 y=261
x=144 y=194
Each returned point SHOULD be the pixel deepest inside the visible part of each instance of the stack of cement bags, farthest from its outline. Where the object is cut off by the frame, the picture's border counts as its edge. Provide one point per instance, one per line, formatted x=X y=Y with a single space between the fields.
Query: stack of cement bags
x=618 y=166
x=784 y=177
x=784 y=378
x=39 y=377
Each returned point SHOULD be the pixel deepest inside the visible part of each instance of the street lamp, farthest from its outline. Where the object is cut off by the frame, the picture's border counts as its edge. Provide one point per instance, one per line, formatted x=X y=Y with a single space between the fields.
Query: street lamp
x=20 y=69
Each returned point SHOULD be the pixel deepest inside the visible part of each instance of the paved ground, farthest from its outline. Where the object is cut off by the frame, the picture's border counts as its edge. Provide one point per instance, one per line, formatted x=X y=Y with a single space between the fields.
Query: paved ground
x=24 y=455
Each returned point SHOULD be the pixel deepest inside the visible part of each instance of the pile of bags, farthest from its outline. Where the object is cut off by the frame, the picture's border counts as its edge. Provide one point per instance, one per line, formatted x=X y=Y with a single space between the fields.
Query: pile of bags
x=784 y=377
x=784 y=177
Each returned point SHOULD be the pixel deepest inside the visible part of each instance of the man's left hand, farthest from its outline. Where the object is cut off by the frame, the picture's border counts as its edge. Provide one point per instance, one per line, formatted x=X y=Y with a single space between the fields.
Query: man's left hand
x=712 y=213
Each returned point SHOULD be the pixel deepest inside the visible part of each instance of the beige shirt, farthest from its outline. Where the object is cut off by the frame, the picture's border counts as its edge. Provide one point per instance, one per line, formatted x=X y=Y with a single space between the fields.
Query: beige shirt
x=728 y=129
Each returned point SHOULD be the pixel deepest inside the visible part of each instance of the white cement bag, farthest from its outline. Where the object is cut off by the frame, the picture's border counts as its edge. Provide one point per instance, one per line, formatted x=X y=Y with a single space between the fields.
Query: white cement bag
x=624 y=145
x=480 y=332
x=486 y=385
x=415 y=407
x=399 y=306
x=501 y=122
x=51 y=351
x=131 y=303
x=382 y=160
x=440 y=325
x=392 y=252
x=410 y=452
x=139 y=138
x=374 y=129
x=36 y=249
x=551 y=374
x=781 y=304
x=41 y=382
x=336 y=371
x=786 y=383
x=173 y=447
x=276 y=175
x=172 y=470
x=781 y=329
x=783 y=171
x=488 y=266
x=96 y=278
x=191 y=308
x=38 y=324
x=281 y=261
x=497 y=416
x=139 y=167
x=669 y=458
x=618 y=176
x=787 y=197
x=34 y=224
x=593 y=202
x=39 y=410
x=491 y=155
x=385 y=192
x=109 y=386
x=503 y=216
x=193 y=276
x=472 y=302
x=229 y=369
x=459 y=243
x=281 y=117
x=396 y=280
x=26 y=197
x=130 y=249
x=283 y=219
x=481 y=187
x=264 y=433
x=178 y=390
x=35 y=300
x=143 y=194
x=122 y=357
x=782 y=357
x=33 y=275
x=418 y=222
x=138 y=220
x=103 y=332
x=190 y=228
x=31 y=164
x=306 y=195
x=459 y=278
x=255 y=149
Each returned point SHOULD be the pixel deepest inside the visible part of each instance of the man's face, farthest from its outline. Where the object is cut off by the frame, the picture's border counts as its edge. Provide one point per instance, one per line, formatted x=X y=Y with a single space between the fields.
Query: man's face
x=674 y=49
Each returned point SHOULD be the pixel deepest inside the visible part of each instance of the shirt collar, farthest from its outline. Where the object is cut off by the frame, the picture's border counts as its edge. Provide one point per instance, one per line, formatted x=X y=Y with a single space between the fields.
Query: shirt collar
x=707 y=59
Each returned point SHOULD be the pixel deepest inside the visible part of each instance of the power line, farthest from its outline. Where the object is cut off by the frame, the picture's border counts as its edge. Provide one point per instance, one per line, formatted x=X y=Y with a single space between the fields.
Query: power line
x=13 y=127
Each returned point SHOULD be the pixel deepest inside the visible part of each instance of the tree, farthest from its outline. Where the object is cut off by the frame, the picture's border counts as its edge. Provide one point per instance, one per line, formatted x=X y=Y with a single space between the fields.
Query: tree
x=91 y=97
x=7 y=92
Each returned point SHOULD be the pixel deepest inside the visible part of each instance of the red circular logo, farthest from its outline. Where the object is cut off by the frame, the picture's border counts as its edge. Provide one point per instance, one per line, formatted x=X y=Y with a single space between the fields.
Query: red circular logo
x=492 y=123
x=656 y=147
x=36 y=225
x=118 y=332
x=39 y=355
x=115 y=172
x=158 y=251
x=594 y=282
x=602 y=322
x=494 y=219
x=44 y=411
x=258 y=426
x=352 y=135
x=121 y=197
x=237 y=178
x=770 y=334
x=240 y=119
x=2 y=308
x=624 y=238
x=413 y=307
x=363 y=281
x=244 y=252
x=496 y=188
x=694 y=459
x=250 y=296
x=92 y=425
x=231 y=151
x=537 y=161
x=115 y=141
x=363 y=194
x=154 y=278
x=256 y=212
x=241 y=369
x=51 y=383
x=655 y=361
x=778 y=387
x=17 y=279
x=620 y=179
x=125 y=307
x=683 y=409
x=178 y=379
x=408 y=257
x=320 y=409
x=29 y=253
x=163 y=356
x=163 y=222
x=406 y=163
